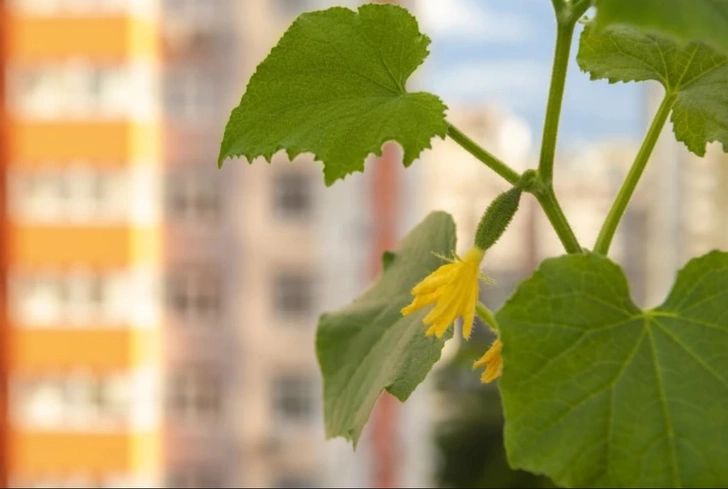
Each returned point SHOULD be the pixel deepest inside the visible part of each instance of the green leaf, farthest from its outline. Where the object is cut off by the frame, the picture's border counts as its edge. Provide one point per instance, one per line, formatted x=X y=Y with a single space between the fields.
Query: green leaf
x=693 y=20
x=696 y=75
x=335 y=86
x=368 y=346
x=598 y=393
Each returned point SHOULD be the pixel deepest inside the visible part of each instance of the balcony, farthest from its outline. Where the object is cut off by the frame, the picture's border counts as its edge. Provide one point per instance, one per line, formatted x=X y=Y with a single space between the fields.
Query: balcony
x=37 y=39
x=34 y=247
x=56 y=452
x=35 y=142
x=100 y=350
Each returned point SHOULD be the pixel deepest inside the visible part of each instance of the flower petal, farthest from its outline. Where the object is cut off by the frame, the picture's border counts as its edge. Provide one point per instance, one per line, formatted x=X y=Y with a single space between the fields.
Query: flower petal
x=469 y=310
x=492 y=361
x=456 y=295
x=421 y=301
x=438 y=278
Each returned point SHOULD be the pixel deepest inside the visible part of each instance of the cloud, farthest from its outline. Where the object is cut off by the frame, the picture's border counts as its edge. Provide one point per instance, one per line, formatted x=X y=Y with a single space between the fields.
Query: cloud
x=517 y=83
x=470 y=20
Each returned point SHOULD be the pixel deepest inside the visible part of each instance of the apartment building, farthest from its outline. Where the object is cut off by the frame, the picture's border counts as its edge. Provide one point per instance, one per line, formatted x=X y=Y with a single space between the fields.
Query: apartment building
x=307 y=248
x=686 y=204
x=199 y=51
x=162 y=312
x=84 y=237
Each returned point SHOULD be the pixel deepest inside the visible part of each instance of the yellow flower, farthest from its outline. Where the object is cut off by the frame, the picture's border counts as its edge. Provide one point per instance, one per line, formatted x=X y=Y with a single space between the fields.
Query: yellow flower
x=454 y=289
x=492 y=362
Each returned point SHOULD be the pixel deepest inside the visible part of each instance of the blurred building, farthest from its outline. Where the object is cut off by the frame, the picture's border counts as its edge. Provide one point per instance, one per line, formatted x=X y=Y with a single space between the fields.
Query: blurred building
x=586 y=181
x=162 y=312
x=84 y=235
x=686 y=204
x=307 y=248
x=201 y=50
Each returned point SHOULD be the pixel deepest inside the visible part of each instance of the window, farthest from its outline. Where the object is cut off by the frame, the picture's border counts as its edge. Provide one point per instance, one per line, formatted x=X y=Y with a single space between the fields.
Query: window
x=200 y=476
x=189 y=95
x=293 y=295
x=123 y=480
x=71 y=299
x=73 y=401
x=195 y=294
x=193 y=196
x=59 y=480
x=39 y=300
x=80 y=89
x=192 y=10
x=292 y=196
x=293 y=399
x=76 y=7
x=37 y=7
x=196 y=394
x=295 y=481
x=292 y=8
x=70 y=195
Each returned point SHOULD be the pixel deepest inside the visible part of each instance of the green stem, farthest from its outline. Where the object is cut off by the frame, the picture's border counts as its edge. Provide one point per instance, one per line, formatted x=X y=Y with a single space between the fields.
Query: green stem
x=564 y=35
x=486 y=316
x=550 y=205
x=543 y=193
x=606 y=234
x=476 y=150
x=558 y=5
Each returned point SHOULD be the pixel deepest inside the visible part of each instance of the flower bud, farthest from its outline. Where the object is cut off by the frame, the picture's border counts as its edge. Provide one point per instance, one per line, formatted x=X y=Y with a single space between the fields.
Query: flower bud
x=497 y=217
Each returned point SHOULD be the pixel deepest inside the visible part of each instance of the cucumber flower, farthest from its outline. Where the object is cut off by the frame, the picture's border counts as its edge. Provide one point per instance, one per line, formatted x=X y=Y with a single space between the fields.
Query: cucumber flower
x=492 y=362
x=454 y=289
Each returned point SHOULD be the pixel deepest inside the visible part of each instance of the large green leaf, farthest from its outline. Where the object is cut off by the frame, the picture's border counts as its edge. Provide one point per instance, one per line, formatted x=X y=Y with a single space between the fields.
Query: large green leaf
x=335 y=86
x=687 y=20
x=368 y=346
x=694 y=73
x=598 y=393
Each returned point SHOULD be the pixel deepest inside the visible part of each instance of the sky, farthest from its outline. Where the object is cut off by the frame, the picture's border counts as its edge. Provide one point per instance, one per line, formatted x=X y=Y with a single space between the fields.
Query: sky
x=502 y=50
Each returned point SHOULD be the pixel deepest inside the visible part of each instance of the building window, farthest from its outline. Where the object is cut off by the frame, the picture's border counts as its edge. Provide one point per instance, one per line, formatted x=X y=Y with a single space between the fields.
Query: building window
x=287 y=9
x=292 y=195
x=192 y=10
x=190 y=95
x=295 y=481
x=77 y=401
x=196 y=394
x=194 y=197
x=194 y=294
x=72 y=7
x=293 y=295
x=60 y=480
x=80 y=89
x=71 y=299
x=71 y=195
x=199 y=476
x=293 y=399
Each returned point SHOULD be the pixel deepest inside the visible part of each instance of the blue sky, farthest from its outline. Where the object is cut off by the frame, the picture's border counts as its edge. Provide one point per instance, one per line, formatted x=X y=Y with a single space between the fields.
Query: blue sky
x=501 y=50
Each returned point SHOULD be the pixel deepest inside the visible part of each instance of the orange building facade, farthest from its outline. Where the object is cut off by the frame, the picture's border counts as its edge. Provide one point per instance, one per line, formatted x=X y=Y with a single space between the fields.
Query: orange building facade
x=83 y=236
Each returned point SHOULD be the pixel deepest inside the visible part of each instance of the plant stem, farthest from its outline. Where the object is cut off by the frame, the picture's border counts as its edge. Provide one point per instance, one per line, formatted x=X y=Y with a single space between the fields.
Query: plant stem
x=566 y=16
x=566 y=21
x=550 y=205
x=486 y=316
x=564 y=35
x=544 y=193
x=606 y=234
x=476 y=150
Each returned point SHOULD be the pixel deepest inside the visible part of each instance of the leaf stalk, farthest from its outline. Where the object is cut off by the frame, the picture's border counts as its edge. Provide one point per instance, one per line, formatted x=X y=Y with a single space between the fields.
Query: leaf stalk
x=609 y=228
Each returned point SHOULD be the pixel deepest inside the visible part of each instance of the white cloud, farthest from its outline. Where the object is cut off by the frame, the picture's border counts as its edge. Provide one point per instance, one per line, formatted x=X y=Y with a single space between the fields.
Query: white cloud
x=467 y=19
x=516 y=82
